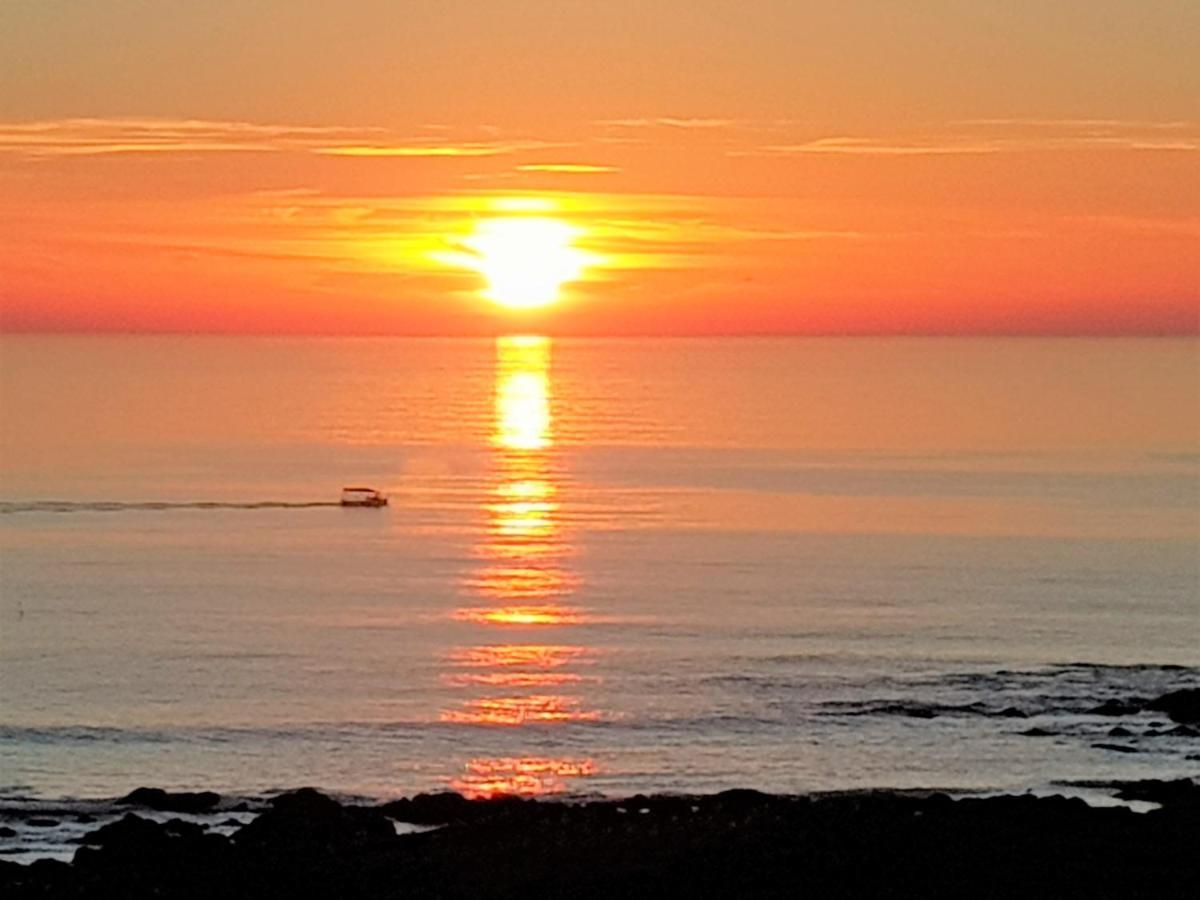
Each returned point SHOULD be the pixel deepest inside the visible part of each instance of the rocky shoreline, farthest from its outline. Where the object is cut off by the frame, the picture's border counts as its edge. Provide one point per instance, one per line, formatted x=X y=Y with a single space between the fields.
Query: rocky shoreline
x=734 y=844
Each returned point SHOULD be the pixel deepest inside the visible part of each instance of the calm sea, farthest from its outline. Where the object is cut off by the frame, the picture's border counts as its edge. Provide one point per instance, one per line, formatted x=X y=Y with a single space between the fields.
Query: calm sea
x=607 y=566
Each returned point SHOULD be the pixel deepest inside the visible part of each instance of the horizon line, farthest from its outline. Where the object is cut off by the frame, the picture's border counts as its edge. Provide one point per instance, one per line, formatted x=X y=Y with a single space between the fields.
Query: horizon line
x=549 y=333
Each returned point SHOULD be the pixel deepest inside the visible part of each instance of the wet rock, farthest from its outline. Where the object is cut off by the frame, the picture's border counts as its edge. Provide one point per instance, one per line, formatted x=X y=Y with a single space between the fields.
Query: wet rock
x=85 y=819
x=39 y=822
x=130 y=832
x=740 y=800
x=1181 y=792
x=180 y=828
x=6 y=832
x=736 y=844
x=1012 y=712
x=53 y=874
x=1119 y=731
x=1182 y=731
x=1117 y=748
x=431 y=809
x=308 y=817
x=446 y=807
x=1181 y=706
x=912 y=711
x=135 y=858
x=166 y=801
x=1118 y=707
x=1037 y=732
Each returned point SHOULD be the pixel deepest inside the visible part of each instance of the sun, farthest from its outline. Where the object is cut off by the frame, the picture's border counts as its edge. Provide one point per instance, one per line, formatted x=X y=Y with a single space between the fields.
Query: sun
x=524 y=259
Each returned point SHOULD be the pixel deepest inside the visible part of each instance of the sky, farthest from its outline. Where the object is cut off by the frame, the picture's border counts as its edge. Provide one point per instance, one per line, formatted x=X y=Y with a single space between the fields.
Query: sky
x=711 y=167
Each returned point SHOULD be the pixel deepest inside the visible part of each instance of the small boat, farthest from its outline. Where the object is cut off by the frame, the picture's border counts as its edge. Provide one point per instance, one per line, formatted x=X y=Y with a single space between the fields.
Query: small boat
x=362 y=496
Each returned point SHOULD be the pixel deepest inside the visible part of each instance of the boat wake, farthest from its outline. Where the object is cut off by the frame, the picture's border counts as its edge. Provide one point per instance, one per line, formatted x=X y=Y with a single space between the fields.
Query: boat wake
x=104 y=506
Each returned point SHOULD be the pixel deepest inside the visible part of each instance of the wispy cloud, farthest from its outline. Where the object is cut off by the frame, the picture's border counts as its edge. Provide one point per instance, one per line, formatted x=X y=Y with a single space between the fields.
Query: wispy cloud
x=98 y=137
x=669 y=122
x=84 y=137
x=433 y=149
x=866 y=147
x=1087 y=124
x=569 y=168
x=984 y=136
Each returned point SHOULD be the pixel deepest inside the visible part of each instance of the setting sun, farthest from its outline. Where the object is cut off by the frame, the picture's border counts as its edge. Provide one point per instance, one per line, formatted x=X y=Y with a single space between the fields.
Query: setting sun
x=525 y=260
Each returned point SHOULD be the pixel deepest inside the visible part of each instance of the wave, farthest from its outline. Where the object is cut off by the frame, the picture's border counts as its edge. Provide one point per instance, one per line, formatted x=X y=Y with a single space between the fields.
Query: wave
x=112 y=506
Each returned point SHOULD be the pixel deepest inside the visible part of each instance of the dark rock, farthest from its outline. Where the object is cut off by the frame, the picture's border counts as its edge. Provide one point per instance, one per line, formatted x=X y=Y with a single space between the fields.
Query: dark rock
x=136 y=859
x=6 y=832
x=128 y=833
x=55 y=875
x=1012 y=712
x=39 y=822
x=1178 y=793
x=53 y=868
x=180 y=828
x=446 y=807
x=1117 y=748
x=1182 y=731
x=308 y=817
x=431 y=809
x=1037 y=732
x=913 y=711
x=85 y=819
x=739 y=800
x=1118 y=707
x=164 y=801
x=737 y=844
x=1119 y=731
x=1182 y=706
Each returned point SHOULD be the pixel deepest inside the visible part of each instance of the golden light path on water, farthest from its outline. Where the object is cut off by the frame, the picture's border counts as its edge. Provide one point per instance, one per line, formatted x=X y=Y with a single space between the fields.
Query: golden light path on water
x=523 y=581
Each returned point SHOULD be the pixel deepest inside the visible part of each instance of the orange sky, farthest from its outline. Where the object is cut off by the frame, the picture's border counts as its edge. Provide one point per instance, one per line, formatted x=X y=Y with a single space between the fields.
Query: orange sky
x=954 y=166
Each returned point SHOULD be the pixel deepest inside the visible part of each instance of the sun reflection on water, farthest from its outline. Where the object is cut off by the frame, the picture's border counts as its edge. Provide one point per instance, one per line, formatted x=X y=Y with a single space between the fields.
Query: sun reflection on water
x=514 y=679
x=523 y=575
x=526 y=709
x=523 y=581
x=526 y=776
x=527 y=656
x=545 y=614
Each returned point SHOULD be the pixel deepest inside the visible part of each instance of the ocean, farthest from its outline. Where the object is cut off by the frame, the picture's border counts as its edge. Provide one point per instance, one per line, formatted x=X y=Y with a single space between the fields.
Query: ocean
x=607 y=566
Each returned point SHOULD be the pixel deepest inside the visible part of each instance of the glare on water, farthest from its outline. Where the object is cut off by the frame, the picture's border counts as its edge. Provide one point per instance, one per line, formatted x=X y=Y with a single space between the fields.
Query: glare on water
x=524 y=576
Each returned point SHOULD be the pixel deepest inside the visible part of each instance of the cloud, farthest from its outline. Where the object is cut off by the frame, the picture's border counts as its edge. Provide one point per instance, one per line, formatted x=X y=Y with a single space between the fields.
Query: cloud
x=432 y=149
x=866 y=147
x=569 y=168
x=1084 y=124
x=985 y=136
x=669 y=122
x=98 y=137
x=83 y=137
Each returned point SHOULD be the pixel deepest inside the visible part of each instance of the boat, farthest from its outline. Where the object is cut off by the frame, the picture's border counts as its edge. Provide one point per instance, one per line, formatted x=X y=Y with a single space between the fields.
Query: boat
x=363 y=496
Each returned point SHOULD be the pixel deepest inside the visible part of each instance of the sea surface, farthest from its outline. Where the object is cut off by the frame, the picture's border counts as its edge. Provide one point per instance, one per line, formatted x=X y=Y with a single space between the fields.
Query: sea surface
x=607 y=566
